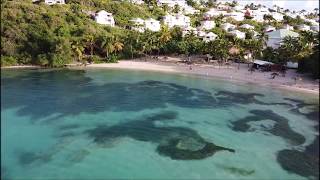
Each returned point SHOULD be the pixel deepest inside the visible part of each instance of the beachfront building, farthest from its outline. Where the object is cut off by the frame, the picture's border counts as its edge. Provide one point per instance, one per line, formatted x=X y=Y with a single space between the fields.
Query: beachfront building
x=287 y=27
x=275 y=37
x=228 y=26
x=105 y=18
x=138 y=24
x=178 y=20
x=303 y=27
x=172 y=3
x=238 y=34
x=52 y=2
x=207 y=25
x=269 y=28
x=247 y=26
x=152 y=24
x=209 y=37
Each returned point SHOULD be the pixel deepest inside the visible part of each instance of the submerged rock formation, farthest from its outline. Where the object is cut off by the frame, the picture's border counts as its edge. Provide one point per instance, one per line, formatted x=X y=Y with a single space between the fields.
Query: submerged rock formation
x=175 y=142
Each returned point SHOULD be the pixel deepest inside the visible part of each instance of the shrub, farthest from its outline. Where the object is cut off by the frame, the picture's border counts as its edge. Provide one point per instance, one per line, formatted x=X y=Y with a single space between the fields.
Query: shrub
x=8 y=61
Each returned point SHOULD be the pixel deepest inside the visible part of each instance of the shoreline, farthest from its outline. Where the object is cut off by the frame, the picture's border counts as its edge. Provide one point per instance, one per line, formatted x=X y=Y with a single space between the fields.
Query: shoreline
x=205 y=71
x=228 y=73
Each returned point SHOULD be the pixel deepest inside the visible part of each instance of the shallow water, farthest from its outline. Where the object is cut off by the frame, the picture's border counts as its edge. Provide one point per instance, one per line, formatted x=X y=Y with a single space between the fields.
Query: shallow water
x=119 y=124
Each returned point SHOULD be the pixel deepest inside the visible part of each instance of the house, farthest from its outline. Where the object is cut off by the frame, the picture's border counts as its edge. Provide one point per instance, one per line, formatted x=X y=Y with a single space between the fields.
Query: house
x=51 y=2
x=189 y=30
x=152 y=24
x=238 y=34
x=172 y=3
x=239 y=7
x=177 y=20
x=287 y=27
x=138 y=24
x=105 y=18
x=315 y=28
x=213 y=12
x=223 y=7
x=207 y=25
x=136 y=1
x=275 y=37
x=238 y=16
x=303 y=27
x=190 y=10
x=209 y=37
x=247 y=26
x=277 y=16
x=269 y=28
x=201 y=33
x=228 y=26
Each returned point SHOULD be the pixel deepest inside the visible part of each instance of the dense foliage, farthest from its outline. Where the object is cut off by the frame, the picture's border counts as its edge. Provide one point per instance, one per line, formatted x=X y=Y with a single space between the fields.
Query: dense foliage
x=60 y=34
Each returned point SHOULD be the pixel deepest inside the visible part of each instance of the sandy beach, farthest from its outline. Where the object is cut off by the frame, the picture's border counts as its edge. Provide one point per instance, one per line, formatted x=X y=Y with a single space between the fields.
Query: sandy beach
x=231 y=73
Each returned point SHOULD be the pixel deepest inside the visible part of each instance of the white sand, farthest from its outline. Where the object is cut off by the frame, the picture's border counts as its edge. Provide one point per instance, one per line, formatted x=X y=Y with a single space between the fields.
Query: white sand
x=231 y=72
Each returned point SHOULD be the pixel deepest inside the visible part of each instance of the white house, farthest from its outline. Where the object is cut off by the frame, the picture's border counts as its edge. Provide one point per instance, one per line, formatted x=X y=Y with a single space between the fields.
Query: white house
x=177 y=20
x=238 y=16
x=247 y=26
x=138 y=24
x=209 y=37
x=190 y=10
x=239 y=7
x=287 y=27
x=238 y=34
x=277 y=16
x=275 y=37
x=152 y=24
x=213 y=12
x=201 y=33
x=172 y=3
x=51 y=2
x=315 y=28
x=303 y=27
x=223 y=7
x=105 y=18
x=189 y=30
x=136 y=1
x=207 y=25
x=269 y=28
x=228 y=26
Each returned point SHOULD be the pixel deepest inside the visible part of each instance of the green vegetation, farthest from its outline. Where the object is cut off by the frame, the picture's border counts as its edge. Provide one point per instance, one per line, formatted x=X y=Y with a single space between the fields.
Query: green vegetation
x=60 y=34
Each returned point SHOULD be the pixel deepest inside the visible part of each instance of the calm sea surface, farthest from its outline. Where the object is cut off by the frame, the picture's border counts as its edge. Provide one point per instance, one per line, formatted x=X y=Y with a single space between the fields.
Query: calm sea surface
x=119 y=124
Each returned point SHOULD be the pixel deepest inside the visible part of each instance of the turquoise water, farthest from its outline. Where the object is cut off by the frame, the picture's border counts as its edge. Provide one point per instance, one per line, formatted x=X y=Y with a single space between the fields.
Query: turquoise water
x=118 y=124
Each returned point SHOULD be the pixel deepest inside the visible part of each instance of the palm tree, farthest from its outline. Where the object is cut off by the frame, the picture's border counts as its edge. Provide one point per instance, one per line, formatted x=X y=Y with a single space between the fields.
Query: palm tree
x=78 y=48
x=89 y=41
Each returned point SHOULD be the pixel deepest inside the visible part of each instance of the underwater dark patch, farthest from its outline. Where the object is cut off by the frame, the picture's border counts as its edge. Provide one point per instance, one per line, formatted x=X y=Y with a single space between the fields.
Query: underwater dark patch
x=174 y=150
x=281 y=127
x=236 y=170
x=144 y=129
x=299 y=163
x=69 y=127
x=27 y=158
